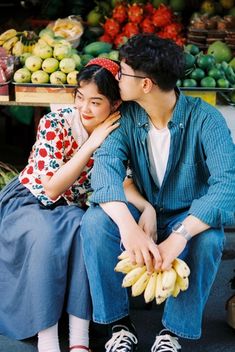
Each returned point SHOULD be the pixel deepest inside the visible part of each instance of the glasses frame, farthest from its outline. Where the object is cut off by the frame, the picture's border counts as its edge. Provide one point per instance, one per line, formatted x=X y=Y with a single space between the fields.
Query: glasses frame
x=120 y=74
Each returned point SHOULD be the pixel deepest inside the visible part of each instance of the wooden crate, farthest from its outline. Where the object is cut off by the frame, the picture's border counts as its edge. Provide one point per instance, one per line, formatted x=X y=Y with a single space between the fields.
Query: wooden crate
x=44 y=93
x=4 y=91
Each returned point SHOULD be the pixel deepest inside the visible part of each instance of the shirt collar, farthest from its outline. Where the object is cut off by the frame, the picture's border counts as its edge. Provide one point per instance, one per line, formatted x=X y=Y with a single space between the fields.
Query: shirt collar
x=178 y=117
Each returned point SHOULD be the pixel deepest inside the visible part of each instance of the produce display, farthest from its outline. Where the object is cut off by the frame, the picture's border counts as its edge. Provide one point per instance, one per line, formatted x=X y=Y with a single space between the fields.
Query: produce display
x=129 y=19
x=216 y=68
x=55 y=54
x=159 y=285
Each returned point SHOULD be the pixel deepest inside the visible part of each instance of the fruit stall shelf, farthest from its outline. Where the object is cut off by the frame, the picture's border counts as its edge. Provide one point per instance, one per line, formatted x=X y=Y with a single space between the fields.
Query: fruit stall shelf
x=46 y=94
x=208 y=94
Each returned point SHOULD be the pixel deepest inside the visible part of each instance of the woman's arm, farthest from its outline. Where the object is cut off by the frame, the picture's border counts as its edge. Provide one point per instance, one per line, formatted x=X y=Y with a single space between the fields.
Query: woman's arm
x=67 y=174
x=148 y=218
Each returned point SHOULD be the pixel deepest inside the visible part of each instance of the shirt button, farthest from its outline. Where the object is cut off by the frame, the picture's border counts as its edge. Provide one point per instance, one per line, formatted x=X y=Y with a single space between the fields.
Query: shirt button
x=181 y=125
x=161 y=209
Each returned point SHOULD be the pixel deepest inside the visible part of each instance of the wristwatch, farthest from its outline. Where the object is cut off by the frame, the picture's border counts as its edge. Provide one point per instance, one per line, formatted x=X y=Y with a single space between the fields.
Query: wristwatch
x=181 y=230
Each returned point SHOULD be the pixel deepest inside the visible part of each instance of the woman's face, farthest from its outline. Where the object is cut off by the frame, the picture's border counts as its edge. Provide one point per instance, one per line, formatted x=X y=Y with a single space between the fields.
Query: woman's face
x=94 y=107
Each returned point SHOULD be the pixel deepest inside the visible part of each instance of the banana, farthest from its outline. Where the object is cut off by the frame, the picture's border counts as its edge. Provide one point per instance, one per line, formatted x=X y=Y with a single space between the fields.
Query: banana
x=176 y=290
x=18 y=48
x=181 y=267
x=10 y=33
x=140 y=285
x=149 y=293
x=123 y=255
x=160 y=300
x=183 y=282
x=8 y=45
x=124 y=266
x=168 y=279
x=159 y=293
x=133 y=276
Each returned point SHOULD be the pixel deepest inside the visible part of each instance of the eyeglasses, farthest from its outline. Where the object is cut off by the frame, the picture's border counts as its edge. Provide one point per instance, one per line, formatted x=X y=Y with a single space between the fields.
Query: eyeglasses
x=120 y=74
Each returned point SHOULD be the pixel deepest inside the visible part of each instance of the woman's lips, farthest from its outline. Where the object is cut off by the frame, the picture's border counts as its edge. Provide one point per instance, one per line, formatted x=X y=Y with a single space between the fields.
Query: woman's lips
x=86 y=117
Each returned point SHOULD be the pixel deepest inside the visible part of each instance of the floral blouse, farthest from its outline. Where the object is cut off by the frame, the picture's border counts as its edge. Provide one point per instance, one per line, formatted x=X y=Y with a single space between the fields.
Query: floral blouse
x=60 y=134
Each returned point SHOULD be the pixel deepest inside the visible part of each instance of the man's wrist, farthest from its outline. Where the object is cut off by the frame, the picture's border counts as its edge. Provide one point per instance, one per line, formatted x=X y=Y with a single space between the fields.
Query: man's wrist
x=180 y=229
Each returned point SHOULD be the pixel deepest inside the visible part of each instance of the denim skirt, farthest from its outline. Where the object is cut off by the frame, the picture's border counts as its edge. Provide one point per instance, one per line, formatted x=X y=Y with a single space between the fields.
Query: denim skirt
x=41 y=263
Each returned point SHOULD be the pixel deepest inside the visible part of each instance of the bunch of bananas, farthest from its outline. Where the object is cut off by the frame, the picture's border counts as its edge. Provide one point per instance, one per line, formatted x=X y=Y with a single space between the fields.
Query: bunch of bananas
x=17 y=43
x=159 y=285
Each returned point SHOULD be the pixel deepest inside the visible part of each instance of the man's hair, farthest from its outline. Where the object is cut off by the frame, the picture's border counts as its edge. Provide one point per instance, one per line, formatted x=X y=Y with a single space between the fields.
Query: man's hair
x=160 y=59
x=106 y=83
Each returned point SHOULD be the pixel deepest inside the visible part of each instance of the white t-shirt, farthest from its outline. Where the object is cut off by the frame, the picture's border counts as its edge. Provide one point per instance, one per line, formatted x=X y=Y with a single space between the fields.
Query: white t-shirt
x=158 y=142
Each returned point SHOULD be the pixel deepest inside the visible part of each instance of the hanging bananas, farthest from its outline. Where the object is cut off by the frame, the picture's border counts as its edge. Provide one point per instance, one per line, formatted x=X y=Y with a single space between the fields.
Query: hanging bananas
x=159 y=285
x=17 y=43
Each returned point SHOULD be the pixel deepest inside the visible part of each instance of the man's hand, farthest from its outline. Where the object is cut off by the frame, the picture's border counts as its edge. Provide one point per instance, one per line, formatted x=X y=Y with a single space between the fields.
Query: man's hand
x=170 y=249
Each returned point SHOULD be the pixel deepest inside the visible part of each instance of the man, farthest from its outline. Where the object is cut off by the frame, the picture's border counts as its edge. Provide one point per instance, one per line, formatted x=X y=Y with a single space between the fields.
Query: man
x=183 y=162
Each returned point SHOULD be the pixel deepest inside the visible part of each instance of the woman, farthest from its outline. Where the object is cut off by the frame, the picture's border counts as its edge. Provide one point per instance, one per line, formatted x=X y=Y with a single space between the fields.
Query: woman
x=41 y=264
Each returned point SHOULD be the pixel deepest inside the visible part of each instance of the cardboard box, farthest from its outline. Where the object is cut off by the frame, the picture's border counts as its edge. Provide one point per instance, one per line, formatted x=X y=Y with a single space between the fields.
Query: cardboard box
x=230 y=306
x=4 y=91
x=44 y=93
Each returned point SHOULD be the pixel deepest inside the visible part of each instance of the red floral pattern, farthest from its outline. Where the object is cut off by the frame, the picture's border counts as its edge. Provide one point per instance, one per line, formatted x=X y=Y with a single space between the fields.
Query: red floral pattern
x=54 y=146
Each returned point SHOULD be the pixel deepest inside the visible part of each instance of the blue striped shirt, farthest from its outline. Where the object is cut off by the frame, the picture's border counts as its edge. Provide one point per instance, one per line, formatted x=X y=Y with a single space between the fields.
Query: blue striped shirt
x=200 y=173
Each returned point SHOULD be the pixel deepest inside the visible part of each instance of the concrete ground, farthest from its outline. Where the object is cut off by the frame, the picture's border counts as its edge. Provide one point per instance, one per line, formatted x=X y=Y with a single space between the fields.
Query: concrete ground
x=217 y=335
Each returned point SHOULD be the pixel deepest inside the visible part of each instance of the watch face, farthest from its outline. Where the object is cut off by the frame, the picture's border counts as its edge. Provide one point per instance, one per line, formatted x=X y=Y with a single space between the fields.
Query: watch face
x=177 y=226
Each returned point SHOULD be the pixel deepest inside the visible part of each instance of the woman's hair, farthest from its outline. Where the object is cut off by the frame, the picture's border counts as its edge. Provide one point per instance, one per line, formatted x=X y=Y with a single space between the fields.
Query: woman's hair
x=106 y=83
x=160 y=59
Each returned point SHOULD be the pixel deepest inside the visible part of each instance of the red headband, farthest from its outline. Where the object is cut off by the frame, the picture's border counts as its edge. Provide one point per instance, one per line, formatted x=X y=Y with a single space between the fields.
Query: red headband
x=110 y=65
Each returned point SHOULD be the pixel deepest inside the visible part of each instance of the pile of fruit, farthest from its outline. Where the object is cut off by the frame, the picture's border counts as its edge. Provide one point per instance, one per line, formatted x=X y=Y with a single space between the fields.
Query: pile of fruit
x=53 y=60
x=127 y=20
x=159 y=285
x=215 y=69
x=17 y=43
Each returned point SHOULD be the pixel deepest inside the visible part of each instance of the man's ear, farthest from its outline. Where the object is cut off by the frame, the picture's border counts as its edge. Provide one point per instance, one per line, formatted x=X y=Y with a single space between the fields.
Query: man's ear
x=147 y=85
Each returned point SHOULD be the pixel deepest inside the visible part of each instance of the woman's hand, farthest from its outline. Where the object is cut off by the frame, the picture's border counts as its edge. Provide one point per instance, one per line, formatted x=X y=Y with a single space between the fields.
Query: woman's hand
x=148 y=221
x=102 y=130
x=140 y=247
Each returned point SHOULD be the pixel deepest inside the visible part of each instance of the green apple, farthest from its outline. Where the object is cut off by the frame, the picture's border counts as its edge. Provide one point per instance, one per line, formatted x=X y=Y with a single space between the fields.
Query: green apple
x=67 y=65
x=40 y=77
x=33 y=63
x=50 y=65
x=72 y=77
x=58 y=77
x=61 y=51
x=22 y=75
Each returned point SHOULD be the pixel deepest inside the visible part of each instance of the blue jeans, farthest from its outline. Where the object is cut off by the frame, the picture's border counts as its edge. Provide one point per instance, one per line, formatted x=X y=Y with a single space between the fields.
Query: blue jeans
x=101 y=246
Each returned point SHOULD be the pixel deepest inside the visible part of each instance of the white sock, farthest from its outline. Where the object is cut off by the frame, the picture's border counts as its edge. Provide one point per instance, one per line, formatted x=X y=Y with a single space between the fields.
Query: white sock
x=78 y=333
x=48 y=340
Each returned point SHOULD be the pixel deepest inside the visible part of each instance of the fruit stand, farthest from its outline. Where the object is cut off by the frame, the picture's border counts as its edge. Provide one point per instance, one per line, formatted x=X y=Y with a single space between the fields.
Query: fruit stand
x=40 y=61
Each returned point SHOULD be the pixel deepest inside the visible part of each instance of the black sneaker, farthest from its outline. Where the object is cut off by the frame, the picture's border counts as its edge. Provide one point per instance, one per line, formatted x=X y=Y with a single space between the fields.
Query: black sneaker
x=165 y=342
x=122 y=340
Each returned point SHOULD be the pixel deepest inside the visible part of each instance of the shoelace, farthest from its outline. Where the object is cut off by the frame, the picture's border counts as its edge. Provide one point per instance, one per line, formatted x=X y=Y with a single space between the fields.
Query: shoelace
x=166 y=343
x=120 y=341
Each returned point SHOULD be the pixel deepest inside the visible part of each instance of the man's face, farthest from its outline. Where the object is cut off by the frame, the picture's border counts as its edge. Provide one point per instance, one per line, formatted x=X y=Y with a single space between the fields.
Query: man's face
x=130 y=83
